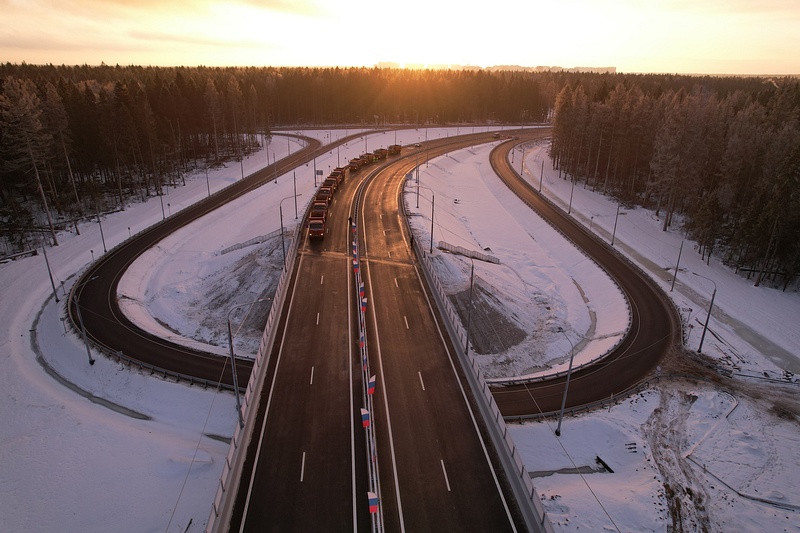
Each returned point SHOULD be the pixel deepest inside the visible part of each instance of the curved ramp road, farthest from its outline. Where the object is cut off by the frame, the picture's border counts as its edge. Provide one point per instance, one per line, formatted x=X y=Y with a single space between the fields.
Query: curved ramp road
x=96 y=290
x=305 y=469
x=654 y=322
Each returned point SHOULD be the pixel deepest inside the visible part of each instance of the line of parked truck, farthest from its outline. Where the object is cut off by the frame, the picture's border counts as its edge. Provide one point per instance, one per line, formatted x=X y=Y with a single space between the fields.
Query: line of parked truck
x=318 y=214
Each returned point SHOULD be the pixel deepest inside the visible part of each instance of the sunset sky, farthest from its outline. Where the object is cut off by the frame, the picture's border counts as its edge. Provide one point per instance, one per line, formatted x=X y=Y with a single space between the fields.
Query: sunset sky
x=699 y=36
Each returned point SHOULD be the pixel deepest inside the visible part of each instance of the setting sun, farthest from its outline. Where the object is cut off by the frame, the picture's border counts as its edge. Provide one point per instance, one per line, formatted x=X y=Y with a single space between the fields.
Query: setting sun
x=697 y=37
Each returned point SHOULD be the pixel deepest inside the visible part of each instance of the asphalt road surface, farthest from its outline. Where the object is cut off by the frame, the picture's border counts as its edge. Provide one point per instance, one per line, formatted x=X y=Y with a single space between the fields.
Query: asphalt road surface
x=653 y=331
x=306 y=467
x=436 y=471
x=96 y=291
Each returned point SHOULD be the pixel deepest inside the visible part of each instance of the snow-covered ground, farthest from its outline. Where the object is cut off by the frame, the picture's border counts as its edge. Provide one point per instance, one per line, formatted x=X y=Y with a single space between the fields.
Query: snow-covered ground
x=703 y=457
x=106 y=448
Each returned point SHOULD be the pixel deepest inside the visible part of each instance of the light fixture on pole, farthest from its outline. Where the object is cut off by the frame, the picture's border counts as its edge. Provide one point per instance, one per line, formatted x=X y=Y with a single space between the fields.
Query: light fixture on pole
x=233 y=358
x=566 y=385
x=80 y=318
x=708 y=316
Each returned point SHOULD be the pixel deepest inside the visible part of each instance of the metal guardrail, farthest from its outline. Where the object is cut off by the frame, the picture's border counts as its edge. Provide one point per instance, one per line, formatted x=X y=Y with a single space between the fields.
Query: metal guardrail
x=230 y=477
x=255 y=240
x=469 y=253
x=533 y=511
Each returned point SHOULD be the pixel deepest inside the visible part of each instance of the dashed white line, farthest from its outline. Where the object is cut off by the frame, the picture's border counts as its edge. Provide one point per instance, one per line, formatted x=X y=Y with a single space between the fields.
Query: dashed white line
x=444 y=471
x=405 y=319
x=395 y=283
x=303 y=469
x=420 y=380
x=318 y=319
x=311 y=381
x=321 y=279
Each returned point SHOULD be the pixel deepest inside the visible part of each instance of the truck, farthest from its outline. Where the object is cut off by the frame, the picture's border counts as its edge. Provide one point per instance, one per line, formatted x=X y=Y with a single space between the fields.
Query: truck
x=319 y=210
x=344 y=172
x=381 y=153
x=316 y=228
x=330 y=182
x=394 y=149
x=325 y=194
x=355 y=164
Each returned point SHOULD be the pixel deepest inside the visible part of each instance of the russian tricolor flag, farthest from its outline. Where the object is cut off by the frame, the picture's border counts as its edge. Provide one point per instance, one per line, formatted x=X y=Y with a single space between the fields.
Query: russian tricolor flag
x=363 y=305
x=371 y=385
x=364 y=418
x=373 y=502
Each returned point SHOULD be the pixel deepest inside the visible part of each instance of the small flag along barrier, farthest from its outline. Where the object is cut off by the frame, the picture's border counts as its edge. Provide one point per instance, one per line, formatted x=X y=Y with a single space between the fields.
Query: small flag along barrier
x=373 y=502
x=364 y=418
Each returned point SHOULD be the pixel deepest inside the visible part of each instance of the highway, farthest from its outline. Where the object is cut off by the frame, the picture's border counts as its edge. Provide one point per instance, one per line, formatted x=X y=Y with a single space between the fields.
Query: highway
x=305 y=469
x=306 y=466
x=436 y=472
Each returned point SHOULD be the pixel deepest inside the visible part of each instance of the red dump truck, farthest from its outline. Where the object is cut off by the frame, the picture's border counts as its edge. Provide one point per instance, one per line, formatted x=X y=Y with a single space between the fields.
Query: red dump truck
x=316 y=228
x=319 y=210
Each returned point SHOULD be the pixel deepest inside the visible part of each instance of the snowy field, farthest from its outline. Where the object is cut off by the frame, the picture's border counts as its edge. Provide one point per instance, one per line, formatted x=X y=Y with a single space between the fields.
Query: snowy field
x=103 y=448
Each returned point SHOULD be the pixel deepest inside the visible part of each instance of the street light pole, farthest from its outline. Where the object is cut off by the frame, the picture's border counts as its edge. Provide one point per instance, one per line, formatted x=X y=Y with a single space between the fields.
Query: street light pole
x=280 y=212
x=708 y=316
x=49 y=272
x=566 y=385
x=614 y=233
x=433 y=204
x=469 y=305
x=233 y=359
x=80 y=318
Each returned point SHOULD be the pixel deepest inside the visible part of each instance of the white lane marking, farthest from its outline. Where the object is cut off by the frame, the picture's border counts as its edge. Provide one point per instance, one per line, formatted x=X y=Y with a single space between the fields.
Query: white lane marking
x=395 y=283
x=405 y=319
x=303 y=468
x=318 y=319
x=471 y=413
x=311 y=382
x=390 y=255
x=321 y=279
x=444 y=471
x=420 y=380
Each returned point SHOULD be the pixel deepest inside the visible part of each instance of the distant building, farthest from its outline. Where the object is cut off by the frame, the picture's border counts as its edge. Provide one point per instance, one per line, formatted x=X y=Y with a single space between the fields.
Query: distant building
x=497 y=68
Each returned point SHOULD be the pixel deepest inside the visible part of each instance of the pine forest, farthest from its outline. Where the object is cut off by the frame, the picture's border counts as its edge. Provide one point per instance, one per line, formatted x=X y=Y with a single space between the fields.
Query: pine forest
x=716 y=157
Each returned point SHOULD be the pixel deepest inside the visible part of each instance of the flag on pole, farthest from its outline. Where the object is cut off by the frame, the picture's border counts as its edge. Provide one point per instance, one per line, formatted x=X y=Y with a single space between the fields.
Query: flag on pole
x=364 y=305
x=371 y=385
x=373 y=502
x=361 y=289
x=364 y=418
